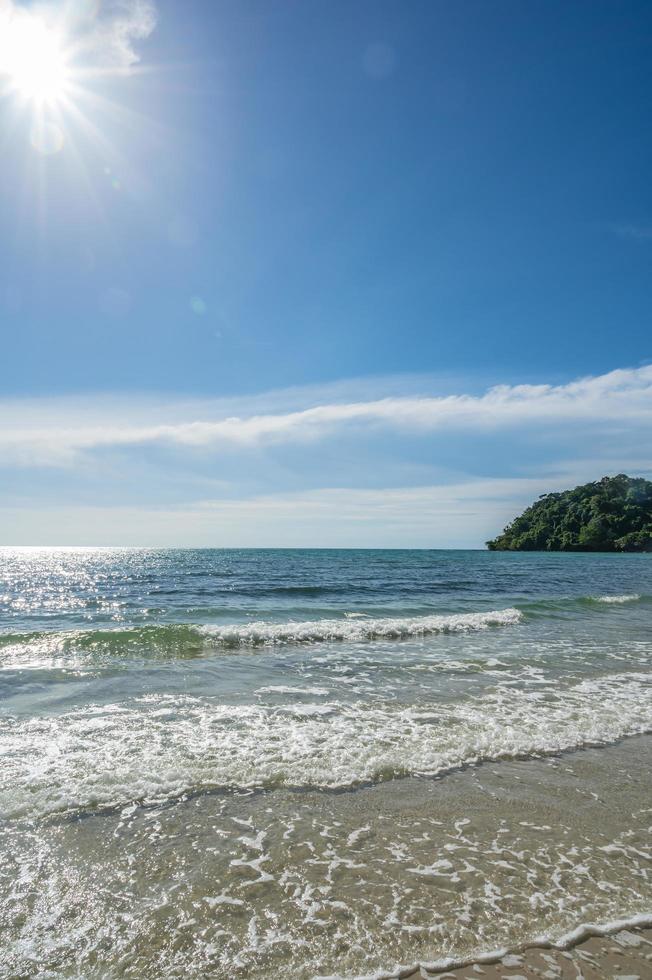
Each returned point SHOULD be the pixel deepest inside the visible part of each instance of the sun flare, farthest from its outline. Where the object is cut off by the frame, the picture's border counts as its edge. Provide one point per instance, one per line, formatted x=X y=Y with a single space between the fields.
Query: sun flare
x=33 y=58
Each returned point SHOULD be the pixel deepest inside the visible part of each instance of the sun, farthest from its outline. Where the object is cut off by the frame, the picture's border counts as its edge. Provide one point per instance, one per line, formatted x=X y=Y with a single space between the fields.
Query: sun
x=57 y=58
x=33 y=59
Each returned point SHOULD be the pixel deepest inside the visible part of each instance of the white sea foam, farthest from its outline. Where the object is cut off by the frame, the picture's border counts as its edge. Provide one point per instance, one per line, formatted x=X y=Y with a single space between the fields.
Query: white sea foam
x=566 y=941
x=160 y=747
x=360 y=628
x=617 y=599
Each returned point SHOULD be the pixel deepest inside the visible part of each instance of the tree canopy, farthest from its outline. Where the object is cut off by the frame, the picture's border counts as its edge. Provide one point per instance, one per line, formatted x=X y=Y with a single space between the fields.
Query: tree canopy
x=613 y=514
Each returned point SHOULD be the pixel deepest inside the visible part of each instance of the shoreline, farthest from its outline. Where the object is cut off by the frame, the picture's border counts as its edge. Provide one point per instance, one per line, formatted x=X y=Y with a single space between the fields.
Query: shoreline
x=590 y=949
x=335 y=857
x=624 y=945
x=618 y=948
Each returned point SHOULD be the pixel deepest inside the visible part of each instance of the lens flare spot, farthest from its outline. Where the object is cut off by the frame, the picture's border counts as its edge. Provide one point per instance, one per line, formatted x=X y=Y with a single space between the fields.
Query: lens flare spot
x=47 y=138
x=198 y=306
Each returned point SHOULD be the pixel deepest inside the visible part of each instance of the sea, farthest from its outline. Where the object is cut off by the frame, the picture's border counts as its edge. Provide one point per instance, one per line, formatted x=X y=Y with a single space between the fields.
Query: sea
x=314 y=763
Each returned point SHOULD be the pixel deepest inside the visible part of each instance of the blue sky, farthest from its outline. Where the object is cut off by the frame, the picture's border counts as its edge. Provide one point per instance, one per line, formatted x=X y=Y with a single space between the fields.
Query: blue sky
x=370 y=212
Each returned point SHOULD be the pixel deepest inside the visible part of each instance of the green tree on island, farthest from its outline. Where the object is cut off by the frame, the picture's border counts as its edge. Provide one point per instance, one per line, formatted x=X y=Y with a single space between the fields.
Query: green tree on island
x=613 y=514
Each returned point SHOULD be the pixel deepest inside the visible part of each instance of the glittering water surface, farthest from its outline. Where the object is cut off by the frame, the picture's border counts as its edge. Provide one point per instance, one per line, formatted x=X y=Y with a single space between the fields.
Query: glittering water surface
x=304 y=763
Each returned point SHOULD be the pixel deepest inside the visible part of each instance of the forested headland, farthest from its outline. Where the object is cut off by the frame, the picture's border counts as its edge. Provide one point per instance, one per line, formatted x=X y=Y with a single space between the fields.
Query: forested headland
x=612 y=514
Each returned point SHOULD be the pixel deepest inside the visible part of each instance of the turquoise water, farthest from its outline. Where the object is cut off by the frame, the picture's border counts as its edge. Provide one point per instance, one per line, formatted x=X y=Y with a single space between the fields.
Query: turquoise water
x=137 y=679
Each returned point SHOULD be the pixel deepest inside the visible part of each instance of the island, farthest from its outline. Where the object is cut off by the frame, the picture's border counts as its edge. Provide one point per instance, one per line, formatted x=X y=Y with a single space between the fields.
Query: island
x=612 y=514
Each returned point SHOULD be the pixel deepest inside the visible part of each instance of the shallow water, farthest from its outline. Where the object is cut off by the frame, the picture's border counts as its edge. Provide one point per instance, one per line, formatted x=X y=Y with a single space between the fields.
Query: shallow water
x=261 y=763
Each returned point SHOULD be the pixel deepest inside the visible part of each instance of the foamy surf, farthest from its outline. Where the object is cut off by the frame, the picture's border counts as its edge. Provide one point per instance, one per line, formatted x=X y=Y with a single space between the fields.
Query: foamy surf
x=158 y=748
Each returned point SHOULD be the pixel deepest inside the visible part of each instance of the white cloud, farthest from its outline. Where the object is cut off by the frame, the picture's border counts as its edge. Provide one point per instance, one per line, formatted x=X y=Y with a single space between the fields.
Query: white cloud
x=118 y=25
x=369 y=494
x=459 y=515
x=51 y=436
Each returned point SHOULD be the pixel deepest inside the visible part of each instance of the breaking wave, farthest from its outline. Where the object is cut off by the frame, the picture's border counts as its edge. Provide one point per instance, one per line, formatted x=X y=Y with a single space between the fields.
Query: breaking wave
x=178 y=641
x=355 y=629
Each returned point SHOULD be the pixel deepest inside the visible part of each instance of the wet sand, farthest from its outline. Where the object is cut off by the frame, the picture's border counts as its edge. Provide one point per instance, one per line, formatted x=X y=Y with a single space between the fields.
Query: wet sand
x=622 y=955
x=302 y=884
